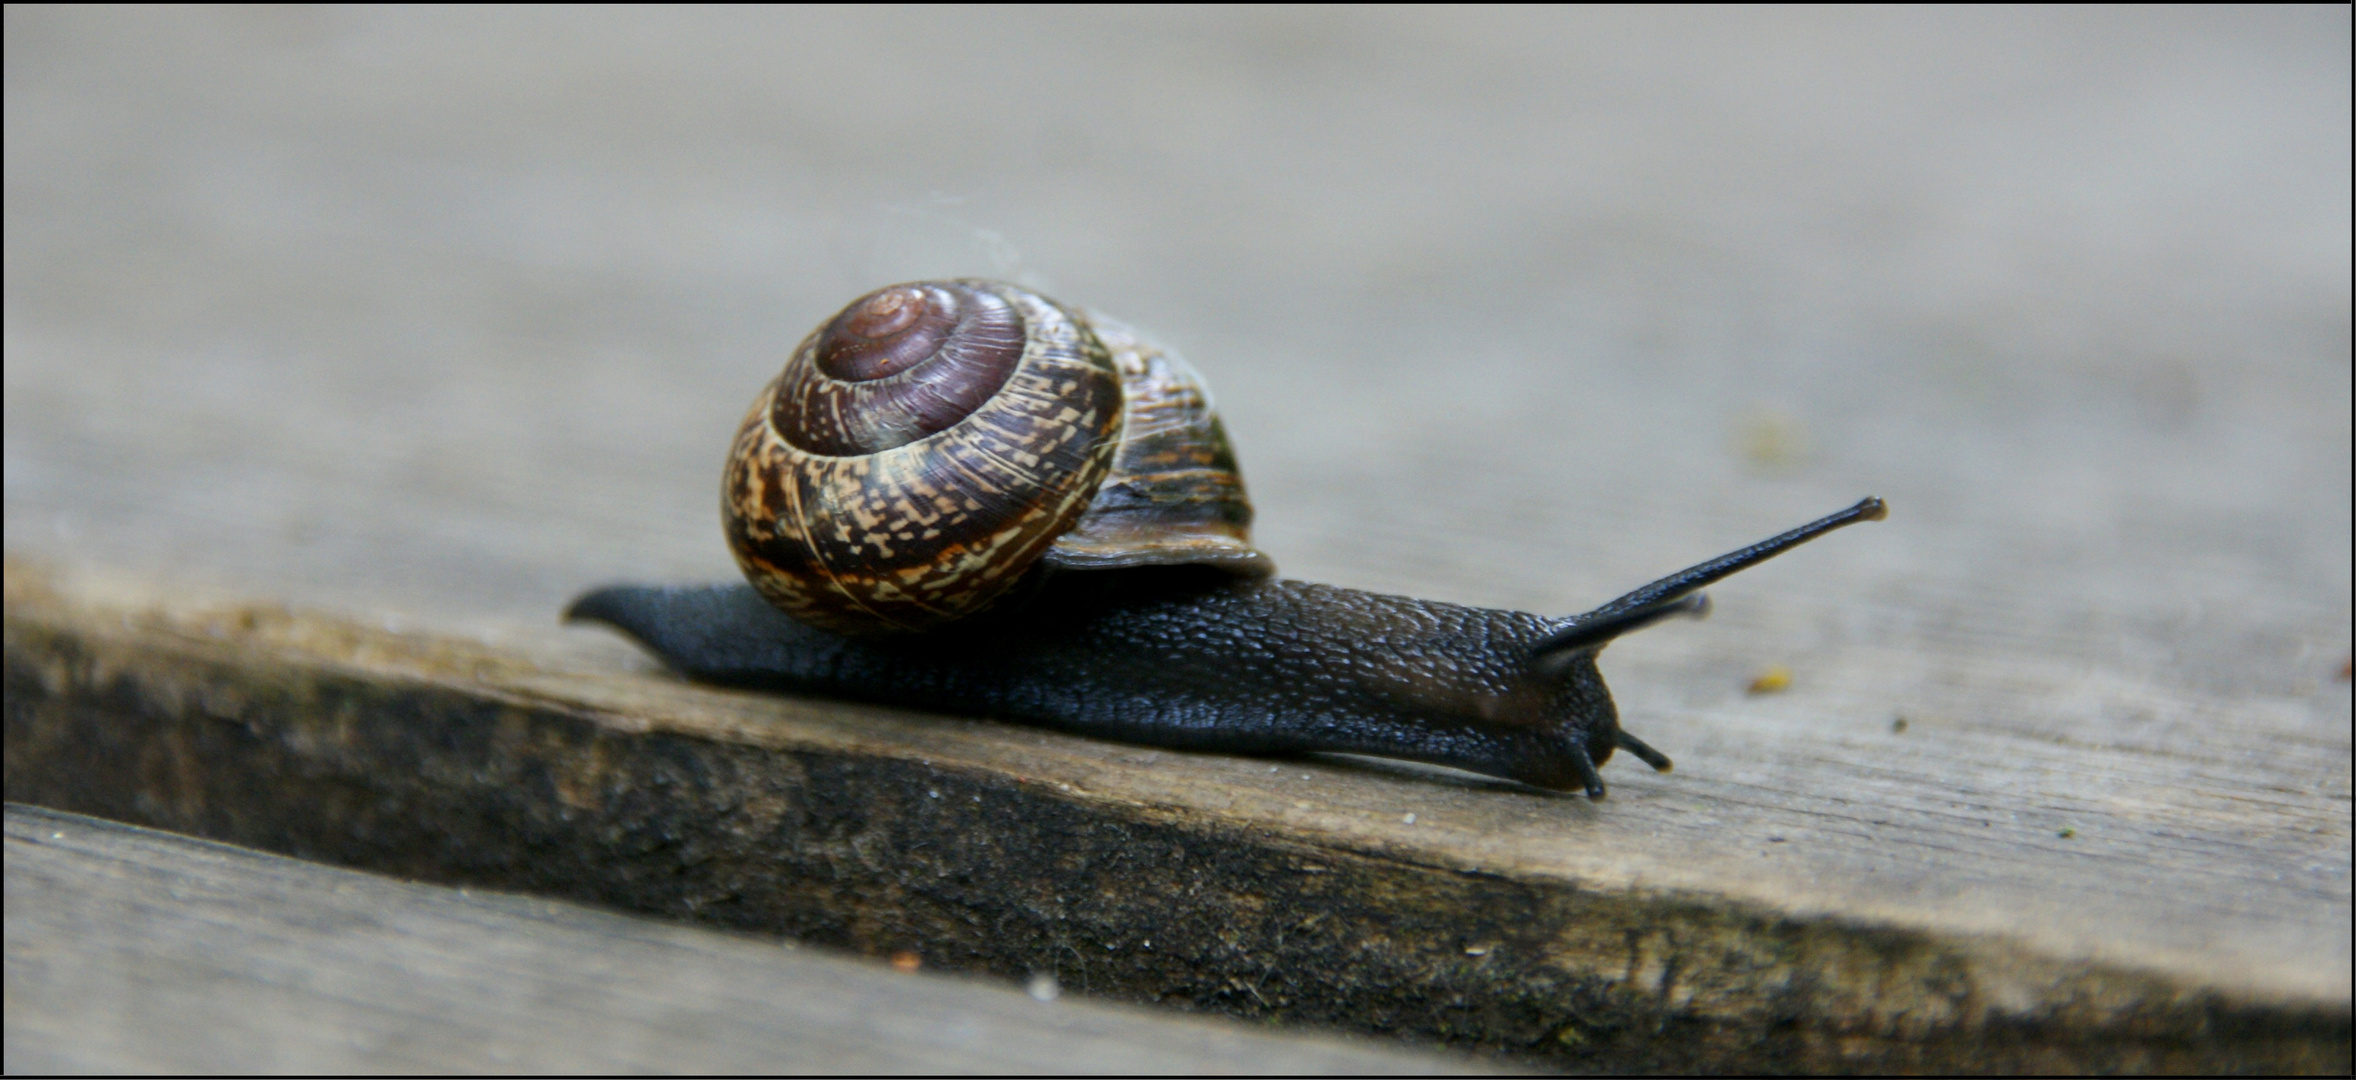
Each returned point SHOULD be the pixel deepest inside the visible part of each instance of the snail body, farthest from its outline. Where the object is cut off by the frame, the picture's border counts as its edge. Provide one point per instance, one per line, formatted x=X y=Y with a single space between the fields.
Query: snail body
x=1039 y=519
x=1180 y=659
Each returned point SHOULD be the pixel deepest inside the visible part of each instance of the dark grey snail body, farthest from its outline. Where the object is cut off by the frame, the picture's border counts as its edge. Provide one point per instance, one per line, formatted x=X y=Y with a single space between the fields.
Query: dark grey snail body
x=1200 y=660
x=1186 y=643
x=1181 y=659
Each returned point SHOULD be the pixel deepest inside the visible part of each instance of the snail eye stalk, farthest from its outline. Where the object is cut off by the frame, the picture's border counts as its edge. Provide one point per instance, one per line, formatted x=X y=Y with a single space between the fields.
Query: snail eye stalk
x=1670 y=595
x=1590 y=632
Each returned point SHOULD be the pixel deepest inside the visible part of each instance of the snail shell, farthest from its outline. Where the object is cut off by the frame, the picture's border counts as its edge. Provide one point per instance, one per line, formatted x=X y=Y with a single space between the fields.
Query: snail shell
x=935 y=442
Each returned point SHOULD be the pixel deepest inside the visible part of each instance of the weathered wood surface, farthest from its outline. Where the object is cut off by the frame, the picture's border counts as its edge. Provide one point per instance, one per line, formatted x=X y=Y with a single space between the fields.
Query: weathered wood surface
x=1445 y=909
x=414 y=325
x=136 y=951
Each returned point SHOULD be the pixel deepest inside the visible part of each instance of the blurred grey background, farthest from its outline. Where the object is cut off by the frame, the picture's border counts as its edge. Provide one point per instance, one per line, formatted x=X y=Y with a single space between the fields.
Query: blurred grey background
x=393 y=303
x=441 y=316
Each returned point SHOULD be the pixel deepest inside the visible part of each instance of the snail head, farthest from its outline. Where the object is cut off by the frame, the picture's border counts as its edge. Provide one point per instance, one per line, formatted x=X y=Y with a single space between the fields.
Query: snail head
x=1568 y=653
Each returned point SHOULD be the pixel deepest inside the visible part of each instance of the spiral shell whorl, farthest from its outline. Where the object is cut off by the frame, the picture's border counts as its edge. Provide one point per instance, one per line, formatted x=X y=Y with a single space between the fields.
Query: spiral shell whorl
x=895 y=366
x=918 y=454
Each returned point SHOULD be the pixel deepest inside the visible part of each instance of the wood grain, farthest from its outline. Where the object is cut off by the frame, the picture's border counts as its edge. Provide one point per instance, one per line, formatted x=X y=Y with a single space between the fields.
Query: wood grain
x=137 y=951
x=1351 y=895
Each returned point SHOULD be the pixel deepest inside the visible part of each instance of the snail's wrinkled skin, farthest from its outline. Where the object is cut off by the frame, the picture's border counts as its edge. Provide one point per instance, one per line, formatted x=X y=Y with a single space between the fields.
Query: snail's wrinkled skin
x=1181 y=657
x=1195 y=658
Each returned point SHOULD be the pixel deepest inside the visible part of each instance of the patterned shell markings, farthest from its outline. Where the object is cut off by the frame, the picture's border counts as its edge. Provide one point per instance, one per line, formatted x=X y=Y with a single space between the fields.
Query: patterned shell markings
x=907 y=526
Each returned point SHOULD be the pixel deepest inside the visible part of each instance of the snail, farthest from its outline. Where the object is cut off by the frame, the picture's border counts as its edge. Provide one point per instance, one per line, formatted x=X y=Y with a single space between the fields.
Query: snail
x=966 y=497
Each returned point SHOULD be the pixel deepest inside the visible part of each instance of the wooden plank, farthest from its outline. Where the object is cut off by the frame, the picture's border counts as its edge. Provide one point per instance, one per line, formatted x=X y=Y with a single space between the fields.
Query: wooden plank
x=1455 y=910
x=137 y=951
x=340 y=357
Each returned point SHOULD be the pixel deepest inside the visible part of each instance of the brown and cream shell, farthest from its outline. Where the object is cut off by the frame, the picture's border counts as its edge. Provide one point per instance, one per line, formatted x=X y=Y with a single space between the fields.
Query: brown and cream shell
x=936 y=442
